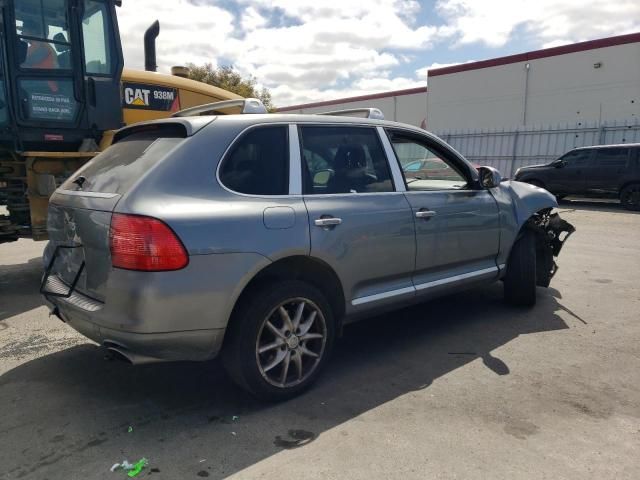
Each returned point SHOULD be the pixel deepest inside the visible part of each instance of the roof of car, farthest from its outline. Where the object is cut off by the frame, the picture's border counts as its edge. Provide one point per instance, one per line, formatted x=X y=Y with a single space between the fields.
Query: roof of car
x=195 y=123
x=617 y=145
x=309 y=118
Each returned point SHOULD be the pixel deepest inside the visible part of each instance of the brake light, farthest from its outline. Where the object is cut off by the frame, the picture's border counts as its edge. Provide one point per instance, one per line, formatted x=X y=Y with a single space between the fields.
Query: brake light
x=145 y=243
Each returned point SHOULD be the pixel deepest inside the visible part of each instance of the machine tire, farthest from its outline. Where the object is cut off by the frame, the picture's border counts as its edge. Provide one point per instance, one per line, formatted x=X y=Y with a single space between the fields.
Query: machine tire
x=630 y=197
x=520 y=279
x=241 y=355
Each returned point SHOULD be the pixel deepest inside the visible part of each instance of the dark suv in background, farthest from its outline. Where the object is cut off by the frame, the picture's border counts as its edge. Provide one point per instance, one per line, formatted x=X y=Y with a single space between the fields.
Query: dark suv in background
x=602 y=170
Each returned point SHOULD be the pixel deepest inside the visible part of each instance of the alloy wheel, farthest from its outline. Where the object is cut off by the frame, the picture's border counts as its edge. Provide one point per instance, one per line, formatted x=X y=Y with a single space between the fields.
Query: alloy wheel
x=291 y=342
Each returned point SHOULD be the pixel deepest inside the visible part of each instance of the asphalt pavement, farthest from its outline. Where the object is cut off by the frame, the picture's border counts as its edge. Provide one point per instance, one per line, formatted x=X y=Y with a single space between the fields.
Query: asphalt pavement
x=464 y=387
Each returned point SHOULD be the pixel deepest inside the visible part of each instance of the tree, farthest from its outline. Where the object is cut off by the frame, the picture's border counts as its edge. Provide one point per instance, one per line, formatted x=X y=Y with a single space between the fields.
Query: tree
x=229 y=79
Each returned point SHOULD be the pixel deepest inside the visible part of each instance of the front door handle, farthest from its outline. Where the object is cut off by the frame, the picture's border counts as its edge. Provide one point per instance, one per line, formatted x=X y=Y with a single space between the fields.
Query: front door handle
x=425 y=214
x=327 y=222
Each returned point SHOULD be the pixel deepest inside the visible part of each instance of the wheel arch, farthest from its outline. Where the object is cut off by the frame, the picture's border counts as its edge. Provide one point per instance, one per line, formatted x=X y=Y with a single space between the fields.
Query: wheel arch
x=304 y=268
x=626 y=184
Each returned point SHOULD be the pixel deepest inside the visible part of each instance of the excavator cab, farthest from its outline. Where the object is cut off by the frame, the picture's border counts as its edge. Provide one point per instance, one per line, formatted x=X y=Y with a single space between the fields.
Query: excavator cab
x=60 y=73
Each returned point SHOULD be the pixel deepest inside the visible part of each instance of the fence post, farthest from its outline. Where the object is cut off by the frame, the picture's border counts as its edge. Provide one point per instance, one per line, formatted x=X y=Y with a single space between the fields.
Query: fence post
x=515 y=152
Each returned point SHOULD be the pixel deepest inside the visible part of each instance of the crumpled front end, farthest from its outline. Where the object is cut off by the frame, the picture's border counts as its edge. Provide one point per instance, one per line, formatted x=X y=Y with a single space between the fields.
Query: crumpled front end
x=551 y=234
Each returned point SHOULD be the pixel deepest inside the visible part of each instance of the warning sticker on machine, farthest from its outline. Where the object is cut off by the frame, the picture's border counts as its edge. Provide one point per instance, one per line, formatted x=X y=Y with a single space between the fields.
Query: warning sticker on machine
x=150 y=97
x=54 y=107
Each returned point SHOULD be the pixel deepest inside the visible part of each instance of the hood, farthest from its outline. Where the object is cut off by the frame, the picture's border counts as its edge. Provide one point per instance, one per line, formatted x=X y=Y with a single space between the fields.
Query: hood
x=533 y=167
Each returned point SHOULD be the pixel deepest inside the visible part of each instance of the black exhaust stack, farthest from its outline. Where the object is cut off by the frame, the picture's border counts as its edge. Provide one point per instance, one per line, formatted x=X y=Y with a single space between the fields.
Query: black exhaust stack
x=150 y=36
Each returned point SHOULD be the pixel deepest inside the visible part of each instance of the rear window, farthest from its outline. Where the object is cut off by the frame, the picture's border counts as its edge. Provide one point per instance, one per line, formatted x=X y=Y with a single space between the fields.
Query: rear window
x=117 y=168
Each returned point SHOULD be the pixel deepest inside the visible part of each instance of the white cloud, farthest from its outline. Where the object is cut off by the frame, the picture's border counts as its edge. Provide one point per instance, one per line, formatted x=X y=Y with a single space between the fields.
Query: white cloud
x=252 y=19
x=493 y=22
x=337 y=48
x=188 y=32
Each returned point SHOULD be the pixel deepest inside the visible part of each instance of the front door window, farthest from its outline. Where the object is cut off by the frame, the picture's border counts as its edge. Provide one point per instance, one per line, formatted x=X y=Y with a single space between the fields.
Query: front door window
x=423 y=168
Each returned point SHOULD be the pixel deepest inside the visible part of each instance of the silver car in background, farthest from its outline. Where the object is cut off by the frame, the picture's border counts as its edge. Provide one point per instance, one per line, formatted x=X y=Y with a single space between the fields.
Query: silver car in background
x=258 y=237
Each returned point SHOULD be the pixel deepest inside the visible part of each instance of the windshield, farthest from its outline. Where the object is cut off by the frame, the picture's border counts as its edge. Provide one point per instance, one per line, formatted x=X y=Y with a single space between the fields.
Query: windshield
x=120 y=166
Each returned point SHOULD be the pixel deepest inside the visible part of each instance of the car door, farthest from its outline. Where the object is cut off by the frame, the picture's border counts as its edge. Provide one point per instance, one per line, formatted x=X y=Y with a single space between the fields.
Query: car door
x=609 y=166
x=359 y=223
x=456 y=221
x=569 y=174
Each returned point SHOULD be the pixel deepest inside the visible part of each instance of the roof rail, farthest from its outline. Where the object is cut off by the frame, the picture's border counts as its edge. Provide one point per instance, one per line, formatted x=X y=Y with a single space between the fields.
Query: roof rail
x=374 y=113
x=227 y=107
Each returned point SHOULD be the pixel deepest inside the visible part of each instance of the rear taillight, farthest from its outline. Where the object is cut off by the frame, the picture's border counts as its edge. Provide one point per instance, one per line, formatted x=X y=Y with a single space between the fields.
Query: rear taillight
x=145 y=243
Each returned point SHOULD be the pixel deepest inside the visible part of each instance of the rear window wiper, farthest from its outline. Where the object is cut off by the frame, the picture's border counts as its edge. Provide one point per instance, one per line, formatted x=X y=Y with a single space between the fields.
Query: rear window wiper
x=80 y=181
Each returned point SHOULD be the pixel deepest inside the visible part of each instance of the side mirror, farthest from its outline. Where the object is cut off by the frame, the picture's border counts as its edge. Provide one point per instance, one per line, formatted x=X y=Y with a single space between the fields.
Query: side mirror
x=489 y=177
x=558 y=163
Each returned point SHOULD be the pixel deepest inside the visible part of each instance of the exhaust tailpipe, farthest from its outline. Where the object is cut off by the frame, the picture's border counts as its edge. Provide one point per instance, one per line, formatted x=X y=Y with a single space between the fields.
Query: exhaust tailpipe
x=150 y=62
x=132 y=358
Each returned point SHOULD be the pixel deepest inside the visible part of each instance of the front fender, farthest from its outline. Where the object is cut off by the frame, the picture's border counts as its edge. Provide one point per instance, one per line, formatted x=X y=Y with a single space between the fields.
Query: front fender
x=517 y=203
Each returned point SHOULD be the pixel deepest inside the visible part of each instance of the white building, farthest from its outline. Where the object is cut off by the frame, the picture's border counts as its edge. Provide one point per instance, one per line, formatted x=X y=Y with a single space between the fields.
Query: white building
x=408 y=106
x=591 y=81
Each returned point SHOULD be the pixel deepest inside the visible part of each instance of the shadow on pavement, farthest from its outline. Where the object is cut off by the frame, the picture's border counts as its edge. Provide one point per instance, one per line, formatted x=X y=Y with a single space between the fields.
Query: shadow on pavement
x=70 y=411
x=19 y=287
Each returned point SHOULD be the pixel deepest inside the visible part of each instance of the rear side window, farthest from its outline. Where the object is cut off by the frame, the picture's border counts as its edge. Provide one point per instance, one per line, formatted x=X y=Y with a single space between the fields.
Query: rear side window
x=612 y=157
x=117 y=168
x=258 y=164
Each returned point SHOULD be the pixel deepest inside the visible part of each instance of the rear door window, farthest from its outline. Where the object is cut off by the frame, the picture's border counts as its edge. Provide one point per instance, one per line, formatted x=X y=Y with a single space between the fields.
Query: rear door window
x=612 y=157
x=121 y=165
x=343 y=159
x=258 y=164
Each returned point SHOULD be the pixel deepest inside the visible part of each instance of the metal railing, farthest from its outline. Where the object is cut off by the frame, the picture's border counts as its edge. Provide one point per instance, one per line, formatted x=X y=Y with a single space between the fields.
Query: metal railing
x=511 y=148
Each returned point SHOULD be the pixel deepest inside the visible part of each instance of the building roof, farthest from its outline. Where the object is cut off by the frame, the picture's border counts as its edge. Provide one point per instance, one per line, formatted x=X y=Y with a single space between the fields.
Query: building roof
x=537 y=54
x=374 y=96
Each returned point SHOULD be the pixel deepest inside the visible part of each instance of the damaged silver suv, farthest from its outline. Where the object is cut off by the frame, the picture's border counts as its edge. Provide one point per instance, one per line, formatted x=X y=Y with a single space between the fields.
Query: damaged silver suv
x=257 y=237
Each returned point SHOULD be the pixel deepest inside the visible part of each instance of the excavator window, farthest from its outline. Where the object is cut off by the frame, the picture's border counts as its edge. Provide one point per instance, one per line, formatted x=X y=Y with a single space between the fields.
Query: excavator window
x=96 y=39
x=43 y=34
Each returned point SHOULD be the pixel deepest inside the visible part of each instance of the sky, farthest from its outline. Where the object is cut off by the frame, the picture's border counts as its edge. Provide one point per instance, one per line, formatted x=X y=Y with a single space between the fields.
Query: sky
x=313 y=50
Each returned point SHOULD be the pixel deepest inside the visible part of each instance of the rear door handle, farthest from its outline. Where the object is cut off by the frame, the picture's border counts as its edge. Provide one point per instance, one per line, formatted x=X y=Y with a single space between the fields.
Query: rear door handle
x=327 y=222
x=425 y=214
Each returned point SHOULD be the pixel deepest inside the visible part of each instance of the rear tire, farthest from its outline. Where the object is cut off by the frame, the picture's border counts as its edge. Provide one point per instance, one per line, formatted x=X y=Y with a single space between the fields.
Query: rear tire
x=630 y=197
x=276 y=355
x=520 y=279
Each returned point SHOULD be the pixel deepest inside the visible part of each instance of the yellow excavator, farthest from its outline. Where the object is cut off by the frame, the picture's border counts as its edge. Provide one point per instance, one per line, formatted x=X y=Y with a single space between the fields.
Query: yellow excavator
x=63 y=93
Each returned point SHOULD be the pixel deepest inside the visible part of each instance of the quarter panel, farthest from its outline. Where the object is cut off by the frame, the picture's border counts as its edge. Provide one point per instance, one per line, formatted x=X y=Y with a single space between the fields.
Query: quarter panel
x=199 y=297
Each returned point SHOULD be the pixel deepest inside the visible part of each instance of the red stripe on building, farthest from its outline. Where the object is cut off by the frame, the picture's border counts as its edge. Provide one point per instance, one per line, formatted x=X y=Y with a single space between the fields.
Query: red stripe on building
x=374 y=96
x=537 y=54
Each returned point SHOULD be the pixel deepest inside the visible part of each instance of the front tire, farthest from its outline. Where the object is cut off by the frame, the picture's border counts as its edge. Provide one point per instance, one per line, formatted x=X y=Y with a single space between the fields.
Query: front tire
x=279 y=341
x=520 y=279
x=630 y=197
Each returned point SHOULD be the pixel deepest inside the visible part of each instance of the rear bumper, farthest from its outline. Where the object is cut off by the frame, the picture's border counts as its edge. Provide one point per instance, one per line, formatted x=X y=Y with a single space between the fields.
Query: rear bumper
x=190 y=345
